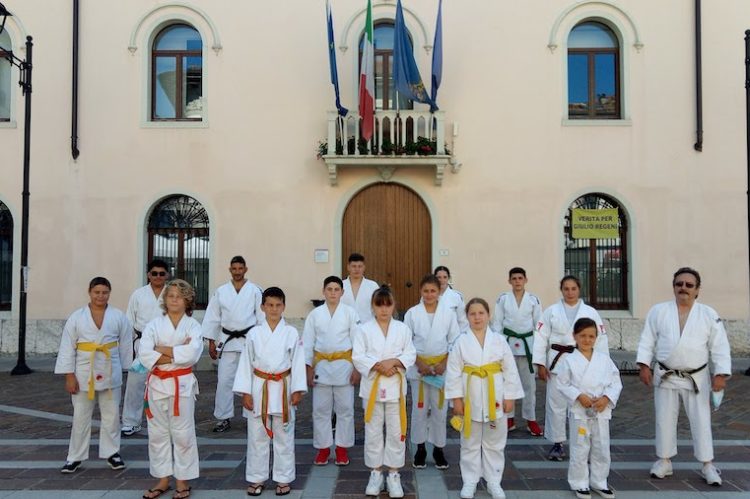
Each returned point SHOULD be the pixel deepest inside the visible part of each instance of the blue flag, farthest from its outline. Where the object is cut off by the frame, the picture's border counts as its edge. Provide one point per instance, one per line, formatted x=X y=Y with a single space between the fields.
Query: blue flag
x=332 y=61
x=437 y=57
x=405 y=73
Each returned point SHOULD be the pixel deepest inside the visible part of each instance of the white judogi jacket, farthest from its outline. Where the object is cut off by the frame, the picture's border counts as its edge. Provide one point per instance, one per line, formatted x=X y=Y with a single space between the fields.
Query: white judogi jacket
x=143 y=307
x=187 y=346
x=370 y=346
x=233 y=311
x=521 y=319
x=364 y=296
x=703 y=339
x=273 y=352
x=596 y=377
x=80 y=328
x=430 y=338
x=328 y=333
x=455 y=302
x=554 y=328
x=467 y=351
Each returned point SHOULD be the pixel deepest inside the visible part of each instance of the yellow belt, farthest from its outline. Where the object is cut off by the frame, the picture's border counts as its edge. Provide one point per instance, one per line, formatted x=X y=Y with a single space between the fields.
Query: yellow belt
x=486 y=371
x=90 y=346
x=401 y=402
x=330 y=357
x=431 y=360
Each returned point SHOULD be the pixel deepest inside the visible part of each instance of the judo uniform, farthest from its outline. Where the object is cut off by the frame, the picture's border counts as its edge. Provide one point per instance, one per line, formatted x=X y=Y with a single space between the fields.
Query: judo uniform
x=228 y=316
x=143 y=307
x=511 y=319
x=703 y=340
x=272 y=362
x=589 y=432
x=485 y=431
x=555 y=331
x=171 y=390
x=432 y=335
x=327 y=342
x=384 y=398
x=455 y=302
x=96 y=356
x=364 y=296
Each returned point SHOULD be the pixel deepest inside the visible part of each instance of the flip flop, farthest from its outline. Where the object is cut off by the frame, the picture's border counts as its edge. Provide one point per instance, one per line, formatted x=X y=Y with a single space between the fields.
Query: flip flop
x=255 y=489
x=178 y=493
x=282 y=490
x=151 y=491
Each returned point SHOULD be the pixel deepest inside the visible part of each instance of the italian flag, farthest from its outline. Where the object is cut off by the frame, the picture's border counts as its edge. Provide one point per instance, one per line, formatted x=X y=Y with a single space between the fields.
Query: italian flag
x=367 y=79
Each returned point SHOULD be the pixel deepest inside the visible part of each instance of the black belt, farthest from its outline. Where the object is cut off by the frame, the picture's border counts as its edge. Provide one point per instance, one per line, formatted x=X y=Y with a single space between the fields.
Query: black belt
x=137 y=337
x=233 y=335
x=522 y=336
x=560 y=349
x=682 y=373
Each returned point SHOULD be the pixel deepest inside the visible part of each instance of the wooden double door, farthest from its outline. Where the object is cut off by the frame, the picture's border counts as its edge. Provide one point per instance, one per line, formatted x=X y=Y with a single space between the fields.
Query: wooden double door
x=390 y=225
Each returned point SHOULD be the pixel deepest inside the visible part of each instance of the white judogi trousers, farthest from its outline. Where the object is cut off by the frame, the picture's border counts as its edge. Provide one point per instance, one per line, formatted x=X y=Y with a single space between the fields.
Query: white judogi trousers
x=528 y=382
x=109 y=432
x=132 y=404
x=483 y=453
x=172 y=445
x=259 y=450
x=589 y=442
x=698 y=410
x=428 y=423
x=224 y=404
x=384 y=449
x=340 y=399
x=555 y=412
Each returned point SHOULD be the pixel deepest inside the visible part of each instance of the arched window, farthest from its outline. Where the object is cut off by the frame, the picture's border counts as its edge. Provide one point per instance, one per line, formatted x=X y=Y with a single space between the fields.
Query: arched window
x=385 y=88
x=177 y=74
x=600 y=264
x=593 y=72
x=6 y=257
x=178 y=234
x=5 y=77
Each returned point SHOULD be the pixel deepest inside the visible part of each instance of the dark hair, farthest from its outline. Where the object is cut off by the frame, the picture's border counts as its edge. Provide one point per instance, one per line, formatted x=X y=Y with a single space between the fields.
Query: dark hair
x=478 y=300
x=99 y=281
x=274 y=292
x=429 y=279
x=443 y=268
x=688 y=270
x=158 y=263
x=516 y=270
x=584 y=323
x=570 y=278
x=186 y=291
x=332 y=278
x=237 y=259
x=383 y=296
x=355 y=257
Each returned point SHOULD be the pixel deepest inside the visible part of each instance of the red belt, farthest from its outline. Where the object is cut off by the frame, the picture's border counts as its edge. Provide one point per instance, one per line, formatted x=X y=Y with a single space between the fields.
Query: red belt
x=162 y=374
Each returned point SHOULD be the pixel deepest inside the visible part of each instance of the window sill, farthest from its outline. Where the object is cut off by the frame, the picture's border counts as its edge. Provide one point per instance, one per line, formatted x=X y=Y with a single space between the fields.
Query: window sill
x=7 y=124
x=615 y=314
x=620 y=122
x=174 y=124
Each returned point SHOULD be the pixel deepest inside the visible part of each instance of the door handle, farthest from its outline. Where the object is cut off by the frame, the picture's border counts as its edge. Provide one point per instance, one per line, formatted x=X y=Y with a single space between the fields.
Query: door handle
x=409 y=284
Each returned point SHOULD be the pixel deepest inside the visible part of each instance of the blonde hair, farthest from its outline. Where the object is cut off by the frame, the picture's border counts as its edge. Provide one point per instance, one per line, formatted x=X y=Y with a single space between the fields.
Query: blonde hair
x=186 y=292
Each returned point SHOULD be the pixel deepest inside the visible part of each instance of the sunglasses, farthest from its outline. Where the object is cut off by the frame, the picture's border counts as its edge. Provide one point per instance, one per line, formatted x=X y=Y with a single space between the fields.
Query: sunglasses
x=155 y=273
x=680 y=284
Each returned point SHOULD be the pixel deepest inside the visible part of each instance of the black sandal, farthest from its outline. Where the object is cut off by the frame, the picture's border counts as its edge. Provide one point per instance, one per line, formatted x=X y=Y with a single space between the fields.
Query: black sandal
x=159 y=493
x=178 y=494
x=283 y=489
x=255 y=489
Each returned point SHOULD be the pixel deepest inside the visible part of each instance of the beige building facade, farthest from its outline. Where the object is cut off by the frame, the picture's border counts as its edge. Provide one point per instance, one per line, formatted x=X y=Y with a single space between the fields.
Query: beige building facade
x=535 y=119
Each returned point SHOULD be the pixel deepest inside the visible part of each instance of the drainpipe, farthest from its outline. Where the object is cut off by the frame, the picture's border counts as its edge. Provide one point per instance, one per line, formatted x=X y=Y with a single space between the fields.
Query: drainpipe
x=698 y=146
x=74 y=105
x=747 y=133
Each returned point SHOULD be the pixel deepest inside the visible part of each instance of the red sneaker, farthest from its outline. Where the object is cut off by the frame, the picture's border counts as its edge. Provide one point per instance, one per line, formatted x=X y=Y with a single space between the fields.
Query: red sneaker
x=535 y=429
x=322 y=458
x=511 y=424
x=342 y=458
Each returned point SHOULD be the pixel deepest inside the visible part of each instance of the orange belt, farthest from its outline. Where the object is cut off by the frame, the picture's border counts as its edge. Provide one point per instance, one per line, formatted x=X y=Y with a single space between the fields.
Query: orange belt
x=162 y=374
x=264 y=402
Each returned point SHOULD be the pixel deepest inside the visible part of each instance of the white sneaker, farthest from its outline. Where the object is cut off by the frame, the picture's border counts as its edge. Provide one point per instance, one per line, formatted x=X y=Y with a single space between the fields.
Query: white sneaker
x=711 y=474
x=375 y=485
x=128 y=431
x=661 y=468
x=495 y=490
x=468 y=490
x=393 y=483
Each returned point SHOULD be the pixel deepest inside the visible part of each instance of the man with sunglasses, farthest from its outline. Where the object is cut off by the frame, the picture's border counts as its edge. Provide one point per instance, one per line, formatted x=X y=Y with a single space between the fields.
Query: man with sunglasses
x=143 y=307
x=687 y=342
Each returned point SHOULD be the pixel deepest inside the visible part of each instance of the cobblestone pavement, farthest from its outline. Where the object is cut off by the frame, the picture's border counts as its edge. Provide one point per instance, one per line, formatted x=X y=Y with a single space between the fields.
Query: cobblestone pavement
x=35 y=415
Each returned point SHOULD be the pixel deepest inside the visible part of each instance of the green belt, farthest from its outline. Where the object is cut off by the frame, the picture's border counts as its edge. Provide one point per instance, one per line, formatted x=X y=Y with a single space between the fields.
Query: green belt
x=522 y=337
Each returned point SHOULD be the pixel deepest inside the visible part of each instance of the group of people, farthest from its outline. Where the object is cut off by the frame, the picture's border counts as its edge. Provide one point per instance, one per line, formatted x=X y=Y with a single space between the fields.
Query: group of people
x=450 y=353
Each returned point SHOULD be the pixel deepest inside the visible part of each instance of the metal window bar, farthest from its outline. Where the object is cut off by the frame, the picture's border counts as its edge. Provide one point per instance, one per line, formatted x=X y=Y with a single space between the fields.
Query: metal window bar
x=6 y=257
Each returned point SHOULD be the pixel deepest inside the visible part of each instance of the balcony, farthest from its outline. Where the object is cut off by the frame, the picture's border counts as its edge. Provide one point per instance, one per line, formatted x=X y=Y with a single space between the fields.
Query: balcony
x=404 y=139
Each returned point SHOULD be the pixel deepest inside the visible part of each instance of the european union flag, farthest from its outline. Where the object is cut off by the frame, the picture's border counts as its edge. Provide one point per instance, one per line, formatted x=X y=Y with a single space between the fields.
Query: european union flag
x=405 y=73
x=437 y=57
x=332 y=61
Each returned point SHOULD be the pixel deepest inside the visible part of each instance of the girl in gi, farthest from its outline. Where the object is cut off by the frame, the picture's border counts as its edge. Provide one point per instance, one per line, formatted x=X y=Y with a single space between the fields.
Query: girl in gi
x=96 y=345
x=451 y=298
x=591 y=383
x=483 y=382
x=434 y=330
x=382 y=350
x=170 y=346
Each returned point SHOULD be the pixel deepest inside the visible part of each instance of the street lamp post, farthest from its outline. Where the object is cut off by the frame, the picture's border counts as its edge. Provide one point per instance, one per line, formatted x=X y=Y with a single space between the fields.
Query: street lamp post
x=24 y=66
